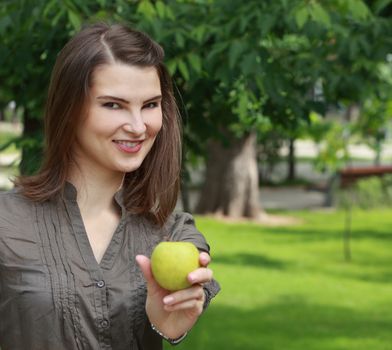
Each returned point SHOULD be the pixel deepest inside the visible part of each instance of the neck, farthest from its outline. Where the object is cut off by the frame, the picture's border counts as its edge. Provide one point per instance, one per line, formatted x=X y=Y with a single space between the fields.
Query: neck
x=95 y=190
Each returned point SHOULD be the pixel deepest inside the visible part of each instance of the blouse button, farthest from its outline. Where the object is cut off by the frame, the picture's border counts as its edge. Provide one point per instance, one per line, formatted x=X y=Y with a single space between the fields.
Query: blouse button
x=100 y=284
x=104 y=323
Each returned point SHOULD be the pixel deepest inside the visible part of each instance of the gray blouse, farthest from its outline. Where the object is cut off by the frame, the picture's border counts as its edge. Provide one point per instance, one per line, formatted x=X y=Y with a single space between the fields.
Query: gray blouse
x=54 y=294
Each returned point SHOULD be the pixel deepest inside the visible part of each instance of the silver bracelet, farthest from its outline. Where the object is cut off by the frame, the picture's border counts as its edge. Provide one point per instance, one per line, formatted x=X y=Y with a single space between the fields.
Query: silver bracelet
x=170 y=340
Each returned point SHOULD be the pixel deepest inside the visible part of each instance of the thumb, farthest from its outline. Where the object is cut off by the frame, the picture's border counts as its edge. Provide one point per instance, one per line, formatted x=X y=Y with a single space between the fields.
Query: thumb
x=145 y=266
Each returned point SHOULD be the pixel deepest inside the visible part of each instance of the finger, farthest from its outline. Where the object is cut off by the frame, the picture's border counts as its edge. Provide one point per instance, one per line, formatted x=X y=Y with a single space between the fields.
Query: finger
x=204 y=259
x=195 y=292
x=200 y=275
x=145 y=266
x=188 y=304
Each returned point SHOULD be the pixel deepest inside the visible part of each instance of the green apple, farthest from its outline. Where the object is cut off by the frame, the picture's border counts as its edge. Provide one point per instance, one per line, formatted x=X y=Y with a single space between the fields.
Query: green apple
x=171 y=262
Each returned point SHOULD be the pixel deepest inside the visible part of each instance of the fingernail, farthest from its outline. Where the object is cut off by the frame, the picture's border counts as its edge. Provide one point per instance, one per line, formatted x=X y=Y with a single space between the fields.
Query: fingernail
x=191 y=278
x=168 y=299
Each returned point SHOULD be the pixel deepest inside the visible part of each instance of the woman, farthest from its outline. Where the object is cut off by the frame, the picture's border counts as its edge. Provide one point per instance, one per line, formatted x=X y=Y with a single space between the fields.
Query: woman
x=75 y=238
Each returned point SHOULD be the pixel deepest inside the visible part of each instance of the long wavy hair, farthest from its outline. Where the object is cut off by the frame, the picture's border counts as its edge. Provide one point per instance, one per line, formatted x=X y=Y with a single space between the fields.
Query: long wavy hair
x=152 y=189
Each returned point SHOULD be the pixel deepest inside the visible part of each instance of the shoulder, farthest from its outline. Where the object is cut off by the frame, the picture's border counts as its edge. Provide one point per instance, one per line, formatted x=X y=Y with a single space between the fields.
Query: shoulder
x=181 y=227
x=18 y=234
x=13 y=201
x=179 y=219
x=14 y=208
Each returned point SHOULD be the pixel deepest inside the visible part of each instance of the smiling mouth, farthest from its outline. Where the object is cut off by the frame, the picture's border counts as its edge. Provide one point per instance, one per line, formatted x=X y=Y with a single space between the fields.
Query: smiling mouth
x=128 y=146
x=128 y=143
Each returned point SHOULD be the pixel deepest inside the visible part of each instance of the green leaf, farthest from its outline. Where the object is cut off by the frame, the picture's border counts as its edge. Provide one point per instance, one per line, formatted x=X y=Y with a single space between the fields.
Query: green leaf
x=49 y=6
x=180 y=40
x=249 y=63
x=320 y=15
x=235 y=51
x=146 y=8
x=5 y=22
x=245 y=21
x=358 y=9
x=195 y=62
x=198 y=32
x=57 y=18
x=161 y=9
x=243 y=104
x=75 y=19
x=172 y=66
x=217 y=49
x=170 y=13
x=301 y=16
x=183 y=69
x=381 y=5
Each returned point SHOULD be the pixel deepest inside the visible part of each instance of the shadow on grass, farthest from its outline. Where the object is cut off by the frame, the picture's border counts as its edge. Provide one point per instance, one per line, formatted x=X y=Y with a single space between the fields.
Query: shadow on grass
x=310 y=235
x=380 y=274
x=249 y=259
x=290 y=324
x=330 y=231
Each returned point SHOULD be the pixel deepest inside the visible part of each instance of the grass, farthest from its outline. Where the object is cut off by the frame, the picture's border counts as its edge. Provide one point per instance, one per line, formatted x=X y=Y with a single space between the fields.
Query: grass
x=290 y=288
x=6 y=137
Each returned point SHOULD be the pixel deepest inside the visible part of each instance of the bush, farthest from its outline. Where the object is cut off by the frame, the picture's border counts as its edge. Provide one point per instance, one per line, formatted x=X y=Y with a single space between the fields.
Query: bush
x=373 y=192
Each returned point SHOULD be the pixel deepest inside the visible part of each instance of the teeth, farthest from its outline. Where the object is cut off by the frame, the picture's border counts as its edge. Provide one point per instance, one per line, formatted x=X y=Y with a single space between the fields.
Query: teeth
x=127 y=143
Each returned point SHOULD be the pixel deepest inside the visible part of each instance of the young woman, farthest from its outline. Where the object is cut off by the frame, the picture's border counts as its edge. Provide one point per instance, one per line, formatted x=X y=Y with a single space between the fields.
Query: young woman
x=75 y=238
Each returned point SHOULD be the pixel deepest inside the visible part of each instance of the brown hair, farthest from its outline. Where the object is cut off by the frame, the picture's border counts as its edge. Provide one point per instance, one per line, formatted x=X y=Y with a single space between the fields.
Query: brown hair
x=152 y=189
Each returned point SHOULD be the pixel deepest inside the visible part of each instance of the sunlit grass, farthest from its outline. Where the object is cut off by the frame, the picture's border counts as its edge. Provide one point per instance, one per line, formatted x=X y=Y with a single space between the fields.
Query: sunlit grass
x=290 y=288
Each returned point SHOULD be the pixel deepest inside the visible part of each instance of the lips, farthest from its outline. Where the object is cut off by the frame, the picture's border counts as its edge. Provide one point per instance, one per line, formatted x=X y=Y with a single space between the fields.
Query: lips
x=128 y=146
x=127 y=143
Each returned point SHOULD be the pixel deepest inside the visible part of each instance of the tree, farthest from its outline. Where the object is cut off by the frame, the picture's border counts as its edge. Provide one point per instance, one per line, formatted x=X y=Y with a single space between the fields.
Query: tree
x=247 y=79
x=242 y=68
x=263 y=61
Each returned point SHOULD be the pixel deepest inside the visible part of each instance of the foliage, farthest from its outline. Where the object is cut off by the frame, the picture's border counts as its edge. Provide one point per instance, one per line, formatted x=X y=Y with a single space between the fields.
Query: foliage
x=368 y=193
x=374 y=192
x=333 y=153
x=240 y=66
x=289 y=287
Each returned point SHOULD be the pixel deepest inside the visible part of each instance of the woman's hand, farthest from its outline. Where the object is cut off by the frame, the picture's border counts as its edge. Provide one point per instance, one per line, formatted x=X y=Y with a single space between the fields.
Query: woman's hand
x=175 y=313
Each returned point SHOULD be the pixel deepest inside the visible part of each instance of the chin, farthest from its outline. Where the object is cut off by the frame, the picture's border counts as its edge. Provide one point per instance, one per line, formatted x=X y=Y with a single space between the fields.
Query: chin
x=129 y=169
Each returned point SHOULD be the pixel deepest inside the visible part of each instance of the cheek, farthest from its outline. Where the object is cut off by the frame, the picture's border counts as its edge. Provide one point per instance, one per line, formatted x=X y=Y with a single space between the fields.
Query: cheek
x=155 y=125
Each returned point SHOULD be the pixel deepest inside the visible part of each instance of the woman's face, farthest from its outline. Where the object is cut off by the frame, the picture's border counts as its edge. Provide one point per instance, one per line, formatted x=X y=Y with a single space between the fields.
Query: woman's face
x=123 y=118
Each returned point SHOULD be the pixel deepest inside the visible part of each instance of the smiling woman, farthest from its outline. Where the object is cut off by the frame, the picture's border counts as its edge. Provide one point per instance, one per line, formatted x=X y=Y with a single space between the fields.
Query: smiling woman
x=123 y=118
x=75 y=238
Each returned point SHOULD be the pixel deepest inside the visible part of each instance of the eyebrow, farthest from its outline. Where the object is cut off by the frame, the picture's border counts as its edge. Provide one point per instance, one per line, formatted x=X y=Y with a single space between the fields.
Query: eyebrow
x=108 y=97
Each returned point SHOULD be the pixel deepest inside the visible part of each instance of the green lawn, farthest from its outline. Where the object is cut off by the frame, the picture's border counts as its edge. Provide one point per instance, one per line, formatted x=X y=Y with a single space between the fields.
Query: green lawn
x=5 y=137
x=288 y=288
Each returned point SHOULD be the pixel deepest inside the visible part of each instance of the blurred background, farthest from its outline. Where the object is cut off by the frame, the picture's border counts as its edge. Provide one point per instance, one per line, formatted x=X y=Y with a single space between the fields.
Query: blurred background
x=287 y=113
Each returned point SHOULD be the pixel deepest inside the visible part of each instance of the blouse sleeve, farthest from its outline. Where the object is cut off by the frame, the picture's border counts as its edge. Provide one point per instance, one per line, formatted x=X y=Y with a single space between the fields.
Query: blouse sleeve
x=184 y=230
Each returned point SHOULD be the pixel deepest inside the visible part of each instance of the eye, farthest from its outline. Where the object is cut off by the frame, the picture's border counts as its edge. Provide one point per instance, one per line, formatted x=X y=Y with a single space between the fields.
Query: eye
x=112 y=105
x=151 y=105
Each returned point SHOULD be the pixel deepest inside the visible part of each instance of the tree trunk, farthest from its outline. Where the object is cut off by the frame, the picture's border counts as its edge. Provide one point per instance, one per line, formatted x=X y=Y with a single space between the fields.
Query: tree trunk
x=231 y=186
x=291 y=160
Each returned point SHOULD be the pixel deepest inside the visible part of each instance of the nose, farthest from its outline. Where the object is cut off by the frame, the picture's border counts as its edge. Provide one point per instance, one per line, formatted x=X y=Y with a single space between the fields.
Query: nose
x=135 y=124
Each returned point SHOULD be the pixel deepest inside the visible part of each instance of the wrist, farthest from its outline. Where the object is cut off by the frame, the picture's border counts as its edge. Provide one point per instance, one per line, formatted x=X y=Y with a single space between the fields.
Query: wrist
x=172 y=341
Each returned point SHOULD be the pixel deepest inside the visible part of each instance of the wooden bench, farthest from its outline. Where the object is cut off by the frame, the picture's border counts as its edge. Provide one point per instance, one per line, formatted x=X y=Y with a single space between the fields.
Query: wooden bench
x=350 y=175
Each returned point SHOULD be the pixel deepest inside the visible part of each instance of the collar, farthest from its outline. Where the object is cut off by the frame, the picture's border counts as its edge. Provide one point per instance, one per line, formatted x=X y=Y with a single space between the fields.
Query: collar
x=71 y=193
